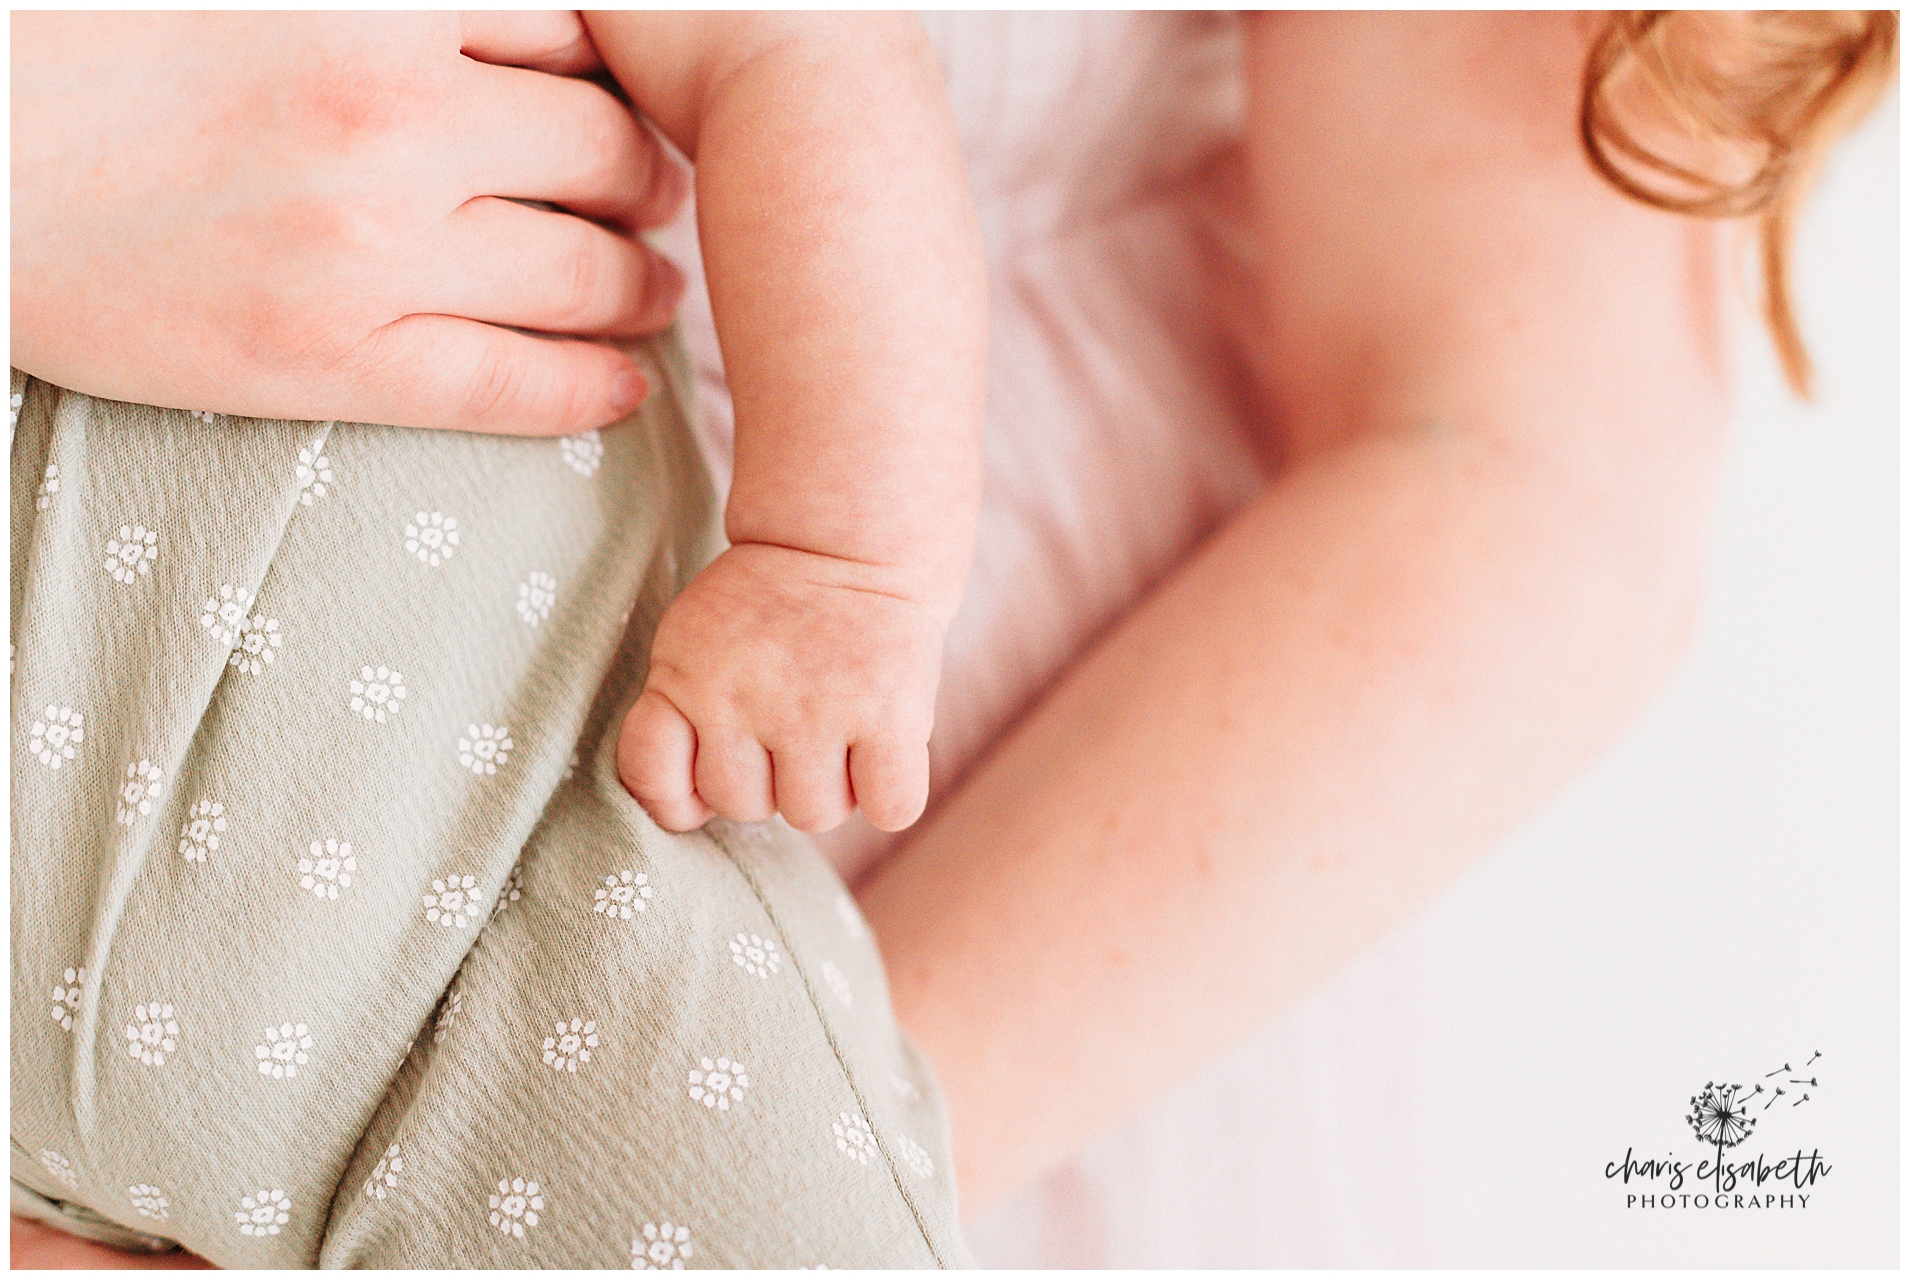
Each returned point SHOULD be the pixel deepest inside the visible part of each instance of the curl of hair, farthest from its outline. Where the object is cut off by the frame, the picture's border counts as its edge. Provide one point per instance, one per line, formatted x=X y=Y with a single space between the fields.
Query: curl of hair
x=1746 y=104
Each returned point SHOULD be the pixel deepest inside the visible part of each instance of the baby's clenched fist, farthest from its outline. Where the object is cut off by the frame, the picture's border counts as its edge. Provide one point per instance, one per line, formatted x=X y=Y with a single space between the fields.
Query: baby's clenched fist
x=783 y=681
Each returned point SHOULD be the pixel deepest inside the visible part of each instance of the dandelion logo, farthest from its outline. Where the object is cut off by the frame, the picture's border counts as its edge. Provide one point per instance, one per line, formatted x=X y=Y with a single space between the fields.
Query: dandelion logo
x=1720 y=1118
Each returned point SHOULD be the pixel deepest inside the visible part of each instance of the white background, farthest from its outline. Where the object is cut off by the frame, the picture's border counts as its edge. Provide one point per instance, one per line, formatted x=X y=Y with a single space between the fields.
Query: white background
x=1720 y=894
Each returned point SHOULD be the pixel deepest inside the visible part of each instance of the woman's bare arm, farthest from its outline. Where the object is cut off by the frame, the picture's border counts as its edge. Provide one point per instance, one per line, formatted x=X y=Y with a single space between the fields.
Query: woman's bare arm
x=1498 y=389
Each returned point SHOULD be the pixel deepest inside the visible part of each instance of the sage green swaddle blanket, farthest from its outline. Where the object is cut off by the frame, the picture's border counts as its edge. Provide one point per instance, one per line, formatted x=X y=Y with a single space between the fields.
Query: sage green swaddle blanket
x=336 y=941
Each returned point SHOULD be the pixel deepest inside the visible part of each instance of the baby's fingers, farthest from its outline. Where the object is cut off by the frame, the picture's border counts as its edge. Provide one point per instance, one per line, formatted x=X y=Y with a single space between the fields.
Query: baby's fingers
x=732 y=775
x=812 y=788
x=656 y=760
x=890 y=777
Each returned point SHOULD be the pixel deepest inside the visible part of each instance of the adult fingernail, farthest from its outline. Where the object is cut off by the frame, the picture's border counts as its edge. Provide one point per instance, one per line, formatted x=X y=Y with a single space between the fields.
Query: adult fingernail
x=629 y=390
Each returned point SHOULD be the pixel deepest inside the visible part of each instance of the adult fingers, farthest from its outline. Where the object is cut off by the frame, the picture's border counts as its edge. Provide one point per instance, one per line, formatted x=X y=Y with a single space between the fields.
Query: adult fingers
x=550 y=40
x=656 y=759
x=441 y=371
x=550 y=271
x=732 y=776
x=812 y=788
x=568 y=142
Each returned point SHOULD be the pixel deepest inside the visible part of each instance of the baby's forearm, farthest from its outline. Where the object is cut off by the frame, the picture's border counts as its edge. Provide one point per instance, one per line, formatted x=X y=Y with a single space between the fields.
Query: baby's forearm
x=845 y=274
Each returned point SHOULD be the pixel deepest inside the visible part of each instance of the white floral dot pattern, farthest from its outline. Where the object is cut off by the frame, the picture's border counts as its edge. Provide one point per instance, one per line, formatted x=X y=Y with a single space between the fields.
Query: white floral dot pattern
x=66 y=996
x=49 y=485
x=452 y=902
x=484 y=747
x=59 y=1168
x=718 y=1083
x=384 y=1174
x=149 y=1201
x=262 y=1213
x=130 y=556
x=287 y=1047
x=661 y=1246
x=515 y=1205
x=139 y=792
x=259 y=643
x=582 y=453
x=918 y=1160
x=448 y=1016
x=203 y=415
x=153 y=1033
x=571 y=1046
x=904 y=1089
x=854 y=1138
x=226 y=615
x=199 y=837
x=432 y=537
x=838 y=985
x=378 y=693
x=327 y=867
x=14 y=401
x=622 y=896
x=314 y=473
x=535 y=596
x=55 y=737
x=756 y=956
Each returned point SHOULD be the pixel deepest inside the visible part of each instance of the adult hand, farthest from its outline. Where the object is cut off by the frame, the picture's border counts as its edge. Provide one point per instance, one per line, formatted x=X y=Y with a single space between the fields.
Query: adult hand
x=310 y=215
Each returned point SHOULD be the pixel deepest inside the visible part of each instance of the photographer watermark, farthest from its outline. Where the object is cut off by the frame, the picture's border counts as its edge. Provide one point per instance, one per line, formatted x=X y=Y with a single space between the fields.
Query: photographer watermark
x=1724 y=1118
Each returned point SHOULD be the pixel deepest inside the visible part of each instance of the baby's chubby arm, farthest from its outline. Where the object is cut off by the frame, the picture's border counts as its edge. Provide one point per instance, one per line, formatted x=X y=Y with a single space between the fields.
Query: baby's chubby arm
x=797 y=672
